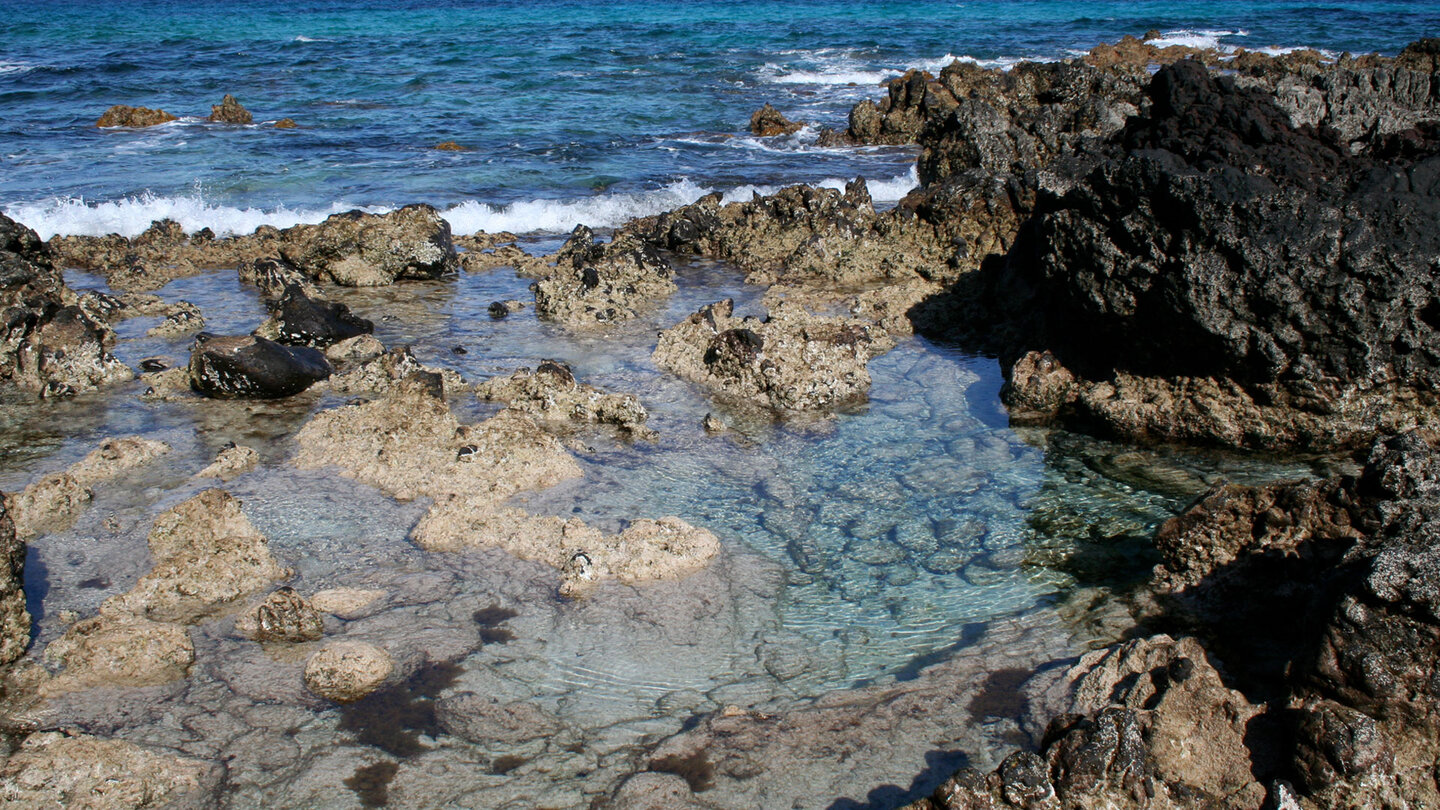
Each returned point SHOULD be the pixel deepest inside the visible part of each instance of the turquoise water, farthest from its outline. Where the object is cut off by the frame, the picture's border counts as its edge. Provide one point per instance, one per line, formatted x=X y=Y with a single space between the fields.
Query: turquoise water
x=598 y=109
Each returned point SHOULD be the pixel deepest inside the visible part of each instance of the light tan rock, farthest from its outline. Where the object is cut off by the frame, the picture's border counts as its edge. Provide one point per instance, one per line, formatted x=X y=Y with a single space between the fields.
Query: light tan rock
x=53 y=502
x=792 y=360
x=53 y=770
x=346 y=671
x=347 y=603
x=119 y=650
x=409 y=444
x=207 y=557
x=668 y=548
x=182 y=318
x=14 y=618
x=355 y=350
x=552 y=392
x=230 y=462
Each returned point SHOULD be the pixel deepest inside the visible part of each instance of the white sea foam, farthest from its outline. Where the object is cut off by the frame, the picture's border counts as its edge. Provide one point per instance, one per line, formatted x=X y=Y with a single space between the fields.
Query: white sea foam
x=74 y=216
x=131 y=216
x=1204 y=38
x=9 y=68
x=303 y=38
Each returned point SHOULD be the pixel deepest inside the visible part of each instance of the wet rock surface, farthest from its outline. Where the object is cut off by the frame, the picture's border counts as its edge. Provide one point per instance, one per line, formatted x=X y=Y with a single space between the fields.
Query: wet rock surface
x=767 y=122
x=54 y=501
x=51 y=345
x=253 y=367
x=14 y=618
x=356 y=249
x=122 y=115
x=790 y=361
x=551 y=391
x=299 y=319
x=346 y=671
x=595 y=282
x=63 y=770
x=229 y=111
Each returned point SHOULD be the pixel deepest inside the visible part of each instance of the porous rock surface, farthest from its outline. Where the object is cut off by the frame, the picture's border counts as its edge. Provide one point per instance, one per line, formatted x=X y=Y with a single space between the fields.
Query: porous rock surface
x=55 y=500
x=123 y=115
x=229 y=111
x=298 y=318
x=768 y=122
x=551 y=391
x=792 y=360
x=55 y=769
x=207 y=557
x=230 y=462
x=595 y=282
x=283 y=616
x=14 y=618
x=1236 y=279
x=50 y=345
x=353 y=249
x=345 y=671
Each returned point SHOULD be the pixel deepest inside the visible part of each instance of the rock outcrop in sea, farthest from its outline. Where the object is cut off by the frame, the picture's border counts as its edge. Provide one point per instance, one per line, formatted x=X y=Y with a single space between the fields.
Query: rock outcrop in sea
x=595 y=283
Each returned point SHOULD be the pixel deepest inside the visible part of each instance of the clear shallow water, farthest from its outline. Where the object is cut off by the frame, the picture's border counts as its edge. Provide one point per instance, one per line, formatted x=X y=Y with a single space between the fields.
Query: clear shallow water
x=596 y=110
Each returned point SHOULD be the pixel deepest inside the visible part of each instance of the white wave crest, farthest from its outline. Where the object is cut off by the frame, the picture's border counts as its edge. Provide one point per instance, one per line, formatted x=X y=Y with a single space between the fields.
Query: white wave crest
x=1203 y=39
x=8 y=67
x=73 y=216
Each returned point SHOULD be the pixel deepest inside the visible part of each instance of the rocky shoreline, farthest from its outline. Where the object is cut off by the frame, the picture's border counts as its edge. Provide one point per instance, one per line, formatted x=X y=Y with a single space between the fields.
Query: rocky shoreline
x=1236 y=253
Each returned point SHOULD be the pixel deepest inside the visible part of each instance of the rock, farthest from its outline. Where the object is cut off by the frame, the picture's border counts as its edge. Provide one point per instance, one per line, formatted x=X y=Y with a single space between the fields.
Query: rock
x=183 y=319
x=356 y=249
x=55 y=769
x=207 y=557
x=768 y=122
x=354 y=351
x=668 y=548
x=253 y=368
x=381 y=372
x=53 y=502
x=119 y=649
x=121 y=115
x=551 y=392
x=346 y=671
x=274 y=276
x=599 y=283
x=1251 y=351
x=297 y=319
x=284 y=616
x=235 y=459
x=347 y=603
x=409 y=444
x=712 y=424
x=791 y=361
x=450 y=146
x=485 y=720
x=229 y=111
x=14 y=618
x=1138 y=53
x=286 y=123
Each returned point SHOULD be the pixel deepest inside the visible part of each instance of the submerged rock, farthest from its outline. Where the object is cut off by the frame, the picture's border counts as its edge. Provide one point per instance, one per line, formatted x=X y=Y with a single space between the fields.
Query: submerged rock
x=599 y=283
x=274 y=276
x=229 y=111
x=55 y=769
x=346 y=671
x=53 y=502
x=253 y=368
x=122 y=115
x=119 y=650
x=551 y=392
x=234 y=460
x=182 y=319
x=790 y=361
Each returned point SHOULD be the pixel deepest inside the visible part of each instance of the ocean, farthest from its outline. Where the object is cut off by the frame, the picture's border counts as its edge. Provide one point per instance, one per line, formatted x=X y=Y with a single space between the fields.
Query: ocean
x=570 y=111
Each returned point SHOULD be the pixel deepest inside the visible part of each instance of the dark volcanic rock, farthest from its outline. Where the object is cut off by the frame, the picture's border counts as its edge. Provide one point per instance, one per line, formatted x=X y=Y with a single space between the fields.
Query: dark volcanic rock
x=253 y=368
x=299 y=320
x=1239 y=280
x=48 y=344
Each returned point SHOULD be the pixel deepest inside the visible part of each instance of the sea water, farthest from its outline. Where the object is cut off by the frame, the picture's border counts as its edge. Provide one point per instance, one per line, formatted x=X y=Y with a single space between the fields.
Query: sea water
x=859 y=547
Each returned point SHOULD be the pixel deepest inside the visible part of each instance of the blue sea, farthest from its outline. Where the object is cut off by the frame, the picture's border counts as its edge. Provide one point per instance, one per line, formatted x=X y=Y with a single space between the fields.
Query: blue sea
x=571 y=111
